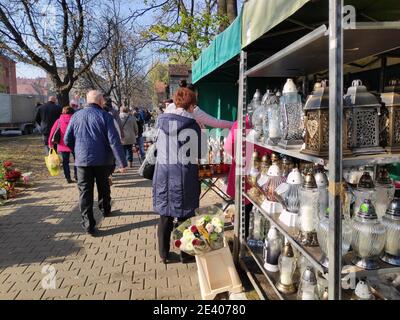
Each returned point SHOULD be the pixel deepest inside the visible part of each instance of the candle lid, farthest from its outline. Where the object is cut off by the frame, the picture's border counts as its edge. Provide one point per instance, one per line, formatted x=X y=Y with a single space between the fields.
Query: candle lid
x=294 y=177
x=367 y=210
x=287 y=251
x=309 y=181
x=319 y=98
x=325 y=295
x=321 y=179
x=358 y=96
x=384 y=177
x=265 y=159
x=309 y=276
x=286 y=160
x=363 y=291
x=255 y=155
x=274 y=171
x=394 y=208
x=366 y=181
x=289 y=86
x=272 y=233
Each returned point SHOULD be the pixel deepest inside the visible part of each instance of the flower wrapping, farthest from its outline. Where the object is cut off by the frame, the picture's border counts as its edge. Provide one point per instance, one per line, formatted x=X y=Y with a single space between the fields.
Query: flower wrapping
x=201 y=233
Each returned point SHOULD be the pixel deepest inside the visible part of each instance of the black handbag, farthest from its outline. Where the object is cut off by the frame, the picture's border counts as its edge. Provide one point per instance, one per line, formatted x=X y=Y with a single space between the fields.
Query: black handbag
x=148 y=171
x=56 y=139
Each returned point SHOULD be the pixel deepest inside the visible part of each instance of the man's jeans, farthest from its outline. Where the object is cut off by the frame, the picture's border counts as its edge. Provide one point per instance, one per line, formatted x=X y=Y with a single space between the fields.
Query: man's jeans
x=128 y=152
x=86 y=178
x=140 y=141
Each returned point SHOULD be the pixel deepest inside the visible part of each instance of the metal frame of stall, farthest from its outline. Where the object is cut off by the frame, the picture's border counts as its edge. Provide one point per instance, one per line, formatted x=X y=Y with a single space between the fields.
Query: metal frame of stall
x=334 y=274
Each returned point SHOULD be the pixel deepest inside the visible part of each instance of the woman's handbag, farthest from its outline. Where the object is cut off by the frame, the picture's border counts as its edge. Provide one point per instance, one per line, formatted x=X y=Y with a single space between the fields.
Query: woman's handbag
x=147 y=168
x=57 y=135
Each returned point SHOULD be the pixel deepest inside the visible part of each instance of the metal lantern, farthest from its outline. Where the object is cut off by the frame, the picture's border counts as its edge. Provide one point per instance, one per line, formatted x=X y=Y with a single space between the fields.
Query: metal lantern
x=316 y=121
x=363 y=291
x=302 y=264
x=271 y=205
x=272 y=120
x=287 y=268
x=323 y=237
x=273 y=250
x=362 y=111
x=291 y=199
x=308 y=211
x=369 y=235
x=365 y=190
x=292 y=116
x=384 y=192
x=391 y=98
x=323 y=203
x=308 y=288
x=391 y=221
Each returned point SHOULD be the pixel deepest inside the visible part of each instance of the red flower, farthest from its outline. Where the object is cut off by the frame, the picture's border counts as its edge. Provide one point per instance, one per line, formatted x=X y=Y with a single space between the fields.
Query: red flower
x=7 y=164
x=194 y=229
x=196 y=242
x=12 y=176
x=178 y=243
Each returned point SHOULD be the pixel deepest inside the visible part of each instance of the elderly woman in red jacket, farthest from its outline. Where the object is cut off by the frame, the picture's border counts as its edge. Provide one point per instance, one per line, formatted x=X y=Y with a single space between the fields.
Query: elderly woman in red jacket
x=65 y=152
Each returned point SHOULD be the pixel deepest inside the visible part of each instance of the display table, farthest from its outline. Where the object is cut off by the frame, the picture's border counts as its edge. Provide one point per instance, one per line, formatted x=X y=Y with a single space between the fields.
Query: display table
x=211 y=184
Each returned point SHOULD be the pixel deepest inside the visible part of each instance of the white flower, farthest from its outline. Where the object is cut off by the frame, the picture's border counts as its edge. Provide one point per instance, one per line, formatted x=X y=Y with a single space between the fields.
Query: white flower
x=216 y=222
x=218 y=229
x=209 y=227
x=189 y=246
x=187 y=235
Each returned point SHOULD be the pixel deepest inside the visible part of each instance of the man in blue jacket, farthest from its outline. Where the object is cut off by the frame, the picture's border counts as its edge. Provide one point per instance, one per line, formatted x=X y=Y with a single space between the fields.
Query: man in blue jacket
x=95 y=140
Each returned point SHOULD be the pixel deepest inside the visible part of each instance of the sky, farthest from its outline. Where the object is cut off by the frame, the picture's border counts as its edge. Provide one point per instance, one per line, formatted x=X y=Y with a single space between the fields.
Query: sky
x=28 y=71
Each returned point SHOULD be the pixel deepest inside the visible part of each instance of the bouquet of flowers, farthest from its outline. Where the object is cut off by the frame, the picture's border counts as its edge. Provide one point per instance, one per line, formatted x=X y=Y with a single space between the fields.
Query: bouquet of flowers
x=200 y=234
x=8 y=178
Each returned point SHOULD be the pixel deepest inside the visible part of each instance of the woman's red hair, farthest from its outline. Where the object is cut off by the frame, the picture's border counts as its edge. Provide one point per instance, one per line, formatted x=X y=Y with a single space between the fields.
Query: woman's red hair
x=184 y=98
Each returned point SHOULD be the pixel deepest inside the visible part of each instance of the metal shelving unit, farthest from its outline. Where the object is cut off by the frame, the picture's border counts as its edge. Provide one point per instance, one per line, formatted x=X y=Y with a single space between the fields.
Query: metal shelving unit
x=324 y=49
x=362 y=160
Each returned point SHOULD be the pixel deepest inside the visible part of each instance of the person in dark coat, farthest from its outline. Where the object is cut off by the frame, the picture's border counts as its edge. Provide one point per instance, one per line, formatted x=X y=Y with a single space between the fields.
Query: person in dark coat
x=140 y=138
x=46 y=115
x=176 y=187
x=93 y=137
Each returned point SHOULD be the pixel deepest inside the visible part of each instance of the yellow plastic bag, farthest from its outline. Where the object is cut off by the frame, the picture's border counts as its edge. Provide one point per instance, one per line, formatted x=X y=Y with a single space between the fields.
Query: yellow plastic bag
x=53 y=163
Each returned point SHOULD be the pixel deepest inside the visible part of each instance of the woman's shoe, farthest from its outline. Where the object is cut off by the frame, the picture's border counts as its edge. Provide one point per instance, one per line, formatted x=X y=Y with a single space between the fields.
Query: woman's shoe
x=69 y=181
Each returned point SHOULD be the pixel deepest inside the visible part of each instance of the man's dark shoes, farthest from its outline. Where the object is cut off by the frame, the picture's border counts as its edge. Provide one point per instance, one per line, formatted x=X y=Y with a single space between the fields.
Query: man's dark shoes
x=69 y=181
x=93 y=232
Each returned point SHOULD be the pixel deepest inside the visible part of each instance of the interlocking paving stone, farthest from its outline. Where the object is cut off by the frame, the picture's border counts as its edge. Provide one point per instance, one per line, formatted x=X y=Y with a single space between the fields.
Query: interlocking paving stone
x=42 y=227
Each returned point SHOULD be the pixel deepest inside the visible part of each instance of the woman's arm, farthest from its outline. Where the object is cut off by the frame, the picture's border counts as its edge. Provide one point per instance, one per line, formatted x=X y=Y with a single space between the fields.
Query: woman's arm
x=53 y=129
x=210 y=121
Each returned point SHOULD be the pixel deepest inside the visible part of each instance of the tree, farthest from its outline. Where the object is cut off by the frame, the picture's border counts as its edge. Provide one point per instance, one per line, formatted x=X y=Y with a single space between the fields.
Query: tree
x=49 y=34
x=158 y=73
x=184 y=27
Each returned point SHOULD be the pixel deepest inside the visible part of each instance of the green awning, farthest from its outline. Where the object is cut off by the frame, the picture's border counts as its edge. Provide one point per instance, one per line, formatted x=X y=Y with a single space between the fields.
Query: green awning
x=261 y=16
x=224 y=47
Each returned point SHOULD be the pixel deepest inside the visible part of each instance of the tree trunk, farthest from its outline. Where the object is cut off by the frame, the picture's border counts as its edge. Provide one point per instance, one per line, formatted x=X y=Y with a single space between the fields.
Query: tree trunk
x=231 y=10
x=63 y=98
x=222 y=12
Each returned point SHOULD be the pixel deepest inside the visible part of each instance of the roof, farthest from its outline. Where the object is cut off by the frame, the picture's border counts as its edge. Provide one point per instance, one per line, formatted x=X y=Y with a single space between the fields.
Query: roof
x=181 y=70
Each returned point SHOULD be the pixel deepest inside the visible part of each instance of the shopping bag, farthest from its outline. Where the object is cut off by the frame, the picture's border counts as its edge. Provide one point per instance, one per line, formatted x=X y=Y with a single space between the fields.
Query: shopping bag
x=53 y=163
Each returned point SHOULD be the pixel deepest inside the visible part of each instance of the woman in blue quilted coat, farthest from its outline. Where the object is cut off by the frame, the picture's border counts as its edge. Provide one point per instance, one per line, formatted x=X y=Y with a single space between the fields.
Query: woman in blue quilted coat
x=176 y=187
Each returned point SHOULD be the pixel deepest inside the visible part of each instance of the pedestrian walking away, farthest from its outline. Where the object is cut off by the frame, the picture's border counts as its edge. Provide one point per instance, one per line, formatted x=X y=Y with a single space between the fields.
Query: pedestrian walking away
x=176 y=187
x=93 y=137
x=46 y=115
x=65 y=151
x=130 y=129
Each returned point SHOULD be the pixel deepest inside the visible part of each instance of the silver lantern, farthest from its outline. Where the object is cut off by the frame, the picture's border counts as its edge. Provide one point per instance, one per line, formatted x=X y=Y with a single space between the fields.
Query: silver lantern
x=322 y=183
x=292 y=116
x=362 y=113
x=252 y=108
x=287 y=268
x=391 y=99
x=391 y=220
x=369 y=235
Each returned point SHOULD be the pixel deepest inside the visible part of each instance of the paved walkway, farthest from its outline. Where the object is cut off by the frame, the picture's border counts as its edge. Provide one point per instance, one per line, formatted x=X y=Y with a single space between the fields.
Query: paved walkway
x=40 y=232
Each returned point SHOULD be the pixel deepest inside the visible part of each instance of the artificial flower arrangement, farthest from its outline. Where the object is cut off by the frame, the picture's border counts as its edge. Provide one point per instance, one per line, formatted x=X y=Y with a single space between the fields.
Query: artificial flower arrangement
x=9 y=176
x=200 y=234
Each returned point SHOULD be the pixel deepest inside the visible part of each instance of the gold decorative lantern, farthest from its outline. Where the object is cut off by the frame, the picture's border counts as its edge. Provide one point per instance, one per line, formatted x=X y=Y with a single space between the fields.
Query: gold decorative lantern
x=391 y=98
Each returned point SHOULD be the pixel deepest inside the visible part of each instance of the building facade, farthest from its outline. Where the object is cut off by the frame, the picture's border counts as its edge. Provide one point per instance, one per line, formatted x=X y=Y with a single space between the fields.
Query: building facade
x=8 y=75
x=177 y=72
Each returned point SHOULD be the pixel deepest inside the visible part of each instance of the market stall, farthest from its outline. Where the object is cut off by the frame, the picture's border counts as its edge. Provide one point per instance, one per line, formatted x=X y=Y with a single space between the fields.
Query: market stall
x=305 y=246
